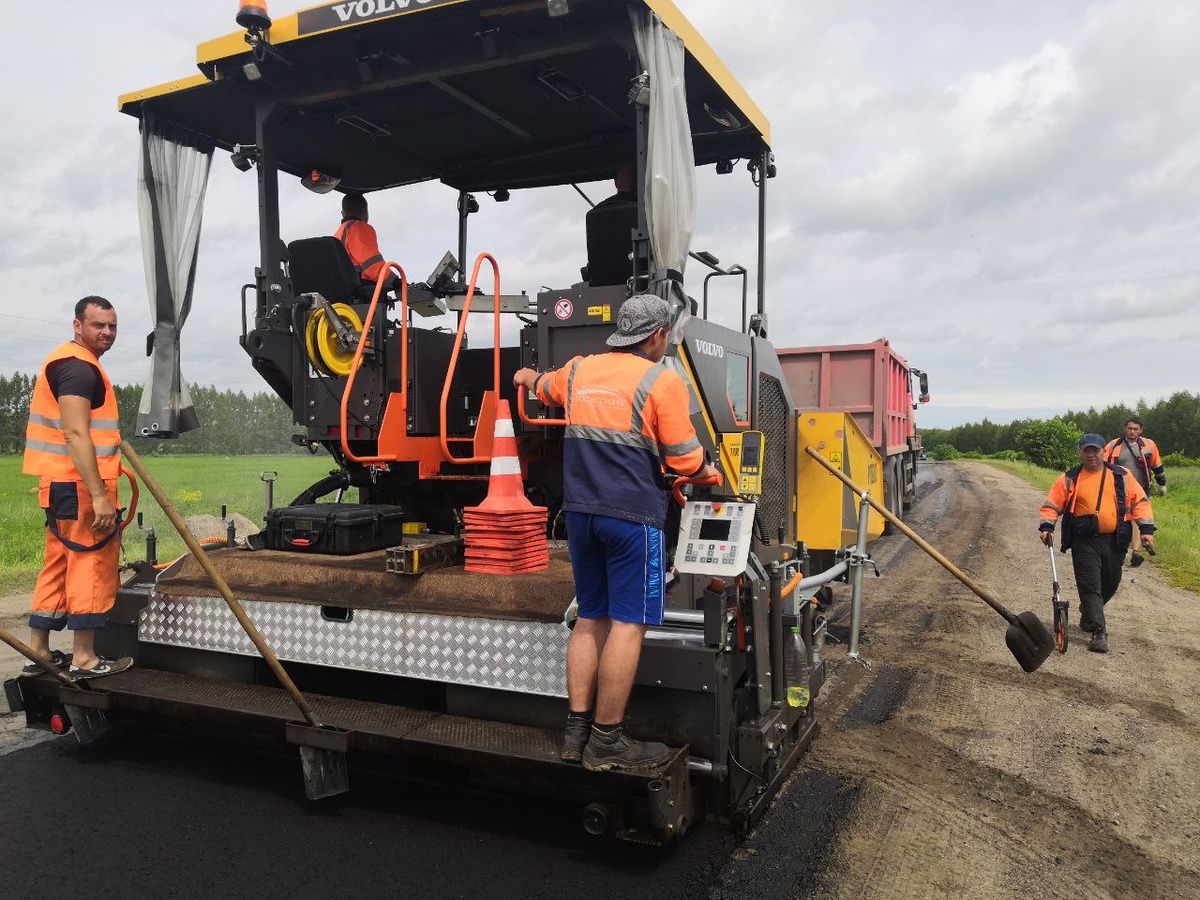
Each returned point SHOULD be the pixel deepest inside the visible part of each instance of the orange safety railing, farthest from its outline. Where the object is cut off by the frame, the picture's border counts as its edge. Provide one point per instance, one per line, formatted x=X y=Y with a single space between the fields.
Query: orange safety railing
x=358 y=353
x=527 y=420
x=484 y=421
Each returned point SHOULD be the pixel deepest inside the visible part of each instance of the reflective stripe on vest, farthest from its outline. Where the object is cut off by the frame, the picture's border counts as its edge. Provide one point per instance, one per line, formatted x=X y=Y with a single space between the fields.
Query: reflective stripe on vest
x=46 y=452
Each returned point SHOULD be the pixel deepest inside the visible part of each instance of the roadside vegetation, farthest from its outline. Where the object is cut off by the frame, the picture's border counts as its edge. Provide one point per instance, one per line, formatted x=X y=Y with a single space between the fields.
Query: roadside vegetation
x=196 y=485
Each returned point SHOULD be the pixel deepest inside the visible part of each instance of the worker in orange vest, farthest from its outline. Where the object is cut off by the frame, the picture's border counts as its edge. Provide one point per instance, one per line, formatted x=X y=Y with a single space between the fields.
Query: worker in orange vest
x=72 y=444
x=1141 y=457
x=1099 y=505
x=628 y=418
x=361 y=242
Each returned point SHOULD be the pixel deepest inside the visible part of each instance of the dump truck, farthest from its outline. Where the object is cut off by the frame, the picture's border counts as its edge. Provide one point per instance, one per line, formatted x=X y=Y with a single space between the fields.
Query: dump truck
x=355 y=628
x=874 y=385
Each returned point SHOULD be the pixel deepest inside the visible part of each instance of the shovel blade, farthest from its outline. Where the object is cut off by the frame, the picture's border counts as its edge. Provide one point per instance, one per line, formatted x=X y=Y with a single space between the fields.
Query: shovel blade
x=88 y=724
x=1029 y=641
x=325 y=773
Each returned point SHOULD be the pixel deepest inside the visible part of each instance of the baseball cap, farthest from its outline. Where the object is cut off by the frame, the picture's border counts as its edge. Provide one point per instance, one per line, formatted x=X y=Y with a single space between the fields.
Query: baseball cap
x=640 y=316
x=1092 y=440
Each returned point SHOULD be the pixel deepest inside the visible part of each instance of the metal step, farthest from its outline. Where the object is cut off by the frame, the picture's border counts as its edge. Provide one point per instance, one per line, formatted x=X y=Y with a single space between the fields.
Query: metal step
x=263 y=712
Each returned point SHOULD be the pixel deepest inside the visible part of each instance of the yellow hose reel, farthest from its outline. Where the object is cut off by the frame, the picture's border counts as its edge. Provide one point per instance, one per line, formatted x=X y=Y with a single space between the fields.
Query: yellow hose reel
x=325 y=351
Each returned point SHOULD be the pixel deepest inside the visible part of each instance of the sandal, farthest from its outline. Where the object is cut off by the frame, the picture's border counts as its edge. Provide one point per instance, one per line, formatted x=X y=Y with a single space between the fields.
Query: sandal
x=102 y=668
x=58 y=659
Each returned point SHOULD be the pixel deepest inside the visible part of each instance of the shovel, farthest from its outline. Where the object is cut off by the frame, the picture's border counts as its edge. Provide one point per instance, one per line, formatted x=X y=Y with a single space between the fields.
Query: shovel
x=1027 y=638
x=322 y=747
x=1060 y=607
x=87 y=715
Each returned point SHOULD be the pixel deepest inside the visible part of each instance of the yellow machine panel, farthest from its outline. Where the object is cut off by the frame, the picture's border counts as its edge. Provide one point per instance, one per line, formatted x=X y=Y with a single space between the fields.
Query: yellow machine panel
x=741 y=458
x=826 y=510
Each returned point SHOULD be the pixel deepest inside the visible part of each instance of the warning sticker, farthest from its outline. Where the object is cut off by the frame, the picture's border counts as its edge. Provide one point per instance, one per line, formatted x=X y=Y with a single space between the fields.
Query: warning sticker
x=835 y=457
x=604 y=312
x=563 y=308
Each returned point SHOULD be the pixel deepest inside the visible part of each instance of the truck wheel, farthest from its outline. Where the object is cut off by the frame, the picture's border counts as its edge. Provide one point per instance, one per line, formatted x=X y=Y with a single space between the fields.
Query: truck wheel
x=891 y=497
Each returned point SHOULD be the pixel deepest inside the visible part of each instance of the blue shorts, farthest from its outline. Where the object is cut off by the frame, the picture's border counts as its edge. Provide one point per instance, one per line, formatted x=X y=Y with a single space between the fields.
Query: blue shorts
x=619 y=567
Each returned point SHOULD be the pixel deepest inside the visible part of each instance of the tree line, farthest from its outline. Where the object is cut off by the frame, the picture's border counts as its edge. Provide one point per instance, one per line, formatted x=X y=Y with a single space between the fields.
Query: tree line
x=232 y=423
x=1173 y=423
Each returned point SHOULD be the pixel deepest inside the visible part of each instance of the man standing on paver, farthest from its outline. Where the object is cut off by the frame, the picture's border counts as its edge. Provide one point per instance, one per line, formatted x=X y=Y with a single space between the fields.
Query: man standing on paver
x=73 y=446
x=1141 y=457
x=1096 y=501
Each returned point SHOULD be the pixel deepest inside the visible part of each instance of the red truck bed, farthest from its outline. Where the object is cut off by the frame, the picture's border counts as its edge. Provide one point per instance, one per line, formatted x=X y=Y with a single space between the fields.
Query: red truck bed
x=869 y=381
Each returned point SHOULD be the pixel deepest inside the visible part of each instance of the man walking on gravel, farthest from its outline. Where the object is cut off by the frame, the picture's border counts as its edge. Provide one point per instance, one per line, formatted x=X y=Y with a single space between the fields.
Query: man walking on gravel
x=1141 y=457
x=1098 y=504
x=72 y=444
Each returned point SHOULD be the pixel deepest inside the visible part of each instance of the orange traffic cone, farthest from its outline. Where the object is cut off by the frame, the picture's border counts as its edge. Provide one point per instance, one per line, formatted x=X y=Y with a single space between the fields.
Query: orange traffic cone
x=506 y=491
x=505 y=534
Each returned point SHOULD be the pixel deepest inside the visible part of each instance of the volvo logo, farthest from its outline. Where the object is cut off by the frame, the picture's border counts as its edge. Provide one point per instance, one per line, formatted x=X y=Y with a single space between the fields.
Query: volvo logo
x=332 y=15
x=708 y=348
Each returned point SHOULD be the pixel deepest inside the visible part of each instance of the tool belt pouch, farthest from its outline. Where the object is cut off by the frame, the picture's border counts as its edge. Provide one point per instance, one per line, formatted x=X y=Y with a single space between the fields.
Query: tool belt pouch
x=1066 y=532
x=1085 y=526
x=1124 y=537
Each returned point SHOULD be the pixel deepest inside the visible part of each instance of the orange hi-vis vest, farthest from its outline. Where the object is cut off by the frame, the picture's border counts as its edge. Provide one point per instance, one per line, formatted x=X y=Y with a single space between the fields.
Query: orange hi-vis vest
x=627 y=419
x=46 y=453
x=363 y=246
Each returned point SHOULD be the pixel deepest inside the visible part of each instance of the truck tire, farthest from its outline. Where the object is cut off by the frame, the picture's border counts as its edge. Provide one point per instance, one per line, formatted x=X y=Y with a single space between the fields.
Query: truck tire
x=908 y=498
x=891 y=494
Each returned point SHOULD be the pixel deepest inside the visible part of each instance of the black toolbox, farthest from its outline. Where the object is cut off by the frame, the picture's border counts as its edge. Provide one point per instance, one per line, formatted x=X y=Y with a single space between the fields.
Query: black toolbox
x=337 y=528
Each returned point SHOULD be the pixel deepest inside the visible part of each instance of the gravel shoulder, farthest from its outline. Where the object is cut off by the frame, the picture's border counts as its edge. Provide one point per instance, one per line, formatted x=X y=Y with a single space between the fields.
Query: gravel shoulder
x=979 y=781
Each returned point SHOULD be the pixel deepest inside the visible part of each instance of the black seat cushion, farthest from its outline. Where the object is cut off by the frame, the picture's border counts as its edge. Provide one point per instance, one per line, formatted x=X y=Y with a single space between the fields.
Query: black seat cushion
x=321 y=265
x=609 y=226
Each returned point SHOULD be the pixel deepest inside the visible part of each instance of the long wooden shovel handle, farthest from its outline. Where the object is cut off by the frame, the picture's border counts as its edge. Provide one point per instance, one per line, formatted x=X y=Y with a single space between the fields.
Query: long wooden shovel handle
x=973 y=585
x=218 y=581
x=25 y=650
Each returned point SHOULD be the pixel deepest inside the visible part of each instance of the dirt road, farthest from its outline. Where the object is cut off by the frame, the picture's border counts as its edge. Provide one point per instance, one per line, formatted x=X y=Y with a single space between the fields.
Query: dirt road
x=1077 y=781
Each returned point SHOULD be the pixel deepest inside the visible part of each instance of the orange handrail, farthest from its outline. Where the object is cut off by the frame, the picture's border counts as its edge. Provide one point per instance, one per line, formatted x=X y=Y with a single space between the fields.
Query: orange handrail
x=528 y=421
x=358 y=352
x=443 y=439
x=677 y=487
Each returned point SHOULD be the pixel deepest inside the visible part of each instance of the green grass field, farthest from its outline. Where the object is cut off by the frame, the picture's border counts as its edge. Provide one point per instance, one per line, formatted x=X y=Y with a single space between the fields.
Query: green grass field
x=1177 y=516
x=195 y=484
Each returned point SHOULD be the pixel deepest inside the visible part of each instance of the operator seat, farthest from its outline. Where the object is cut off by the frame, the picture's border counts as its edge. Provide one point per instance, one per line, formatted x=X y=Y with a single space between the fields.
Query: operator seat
x=321 y=265
x=609 y=227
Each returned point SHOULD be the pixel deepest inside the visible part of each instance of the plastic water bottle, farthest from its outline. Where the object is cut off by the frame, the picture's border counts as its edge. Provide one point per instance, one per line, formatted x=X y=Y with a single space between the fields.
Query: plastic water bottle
x=797 y=670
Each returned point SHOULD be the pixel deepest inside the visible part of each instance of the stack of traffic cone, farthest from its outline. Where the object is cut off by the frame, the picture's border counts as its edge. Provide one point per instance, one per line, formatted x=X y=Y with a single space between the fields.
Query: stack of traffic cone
x=505 y=534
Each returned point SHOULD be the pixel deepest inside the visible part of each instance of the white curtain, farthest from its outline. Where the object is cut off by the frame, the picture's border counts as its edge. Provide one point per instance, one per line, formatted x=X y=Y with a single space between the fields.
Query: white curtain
x=670 y=188
x=172 y=177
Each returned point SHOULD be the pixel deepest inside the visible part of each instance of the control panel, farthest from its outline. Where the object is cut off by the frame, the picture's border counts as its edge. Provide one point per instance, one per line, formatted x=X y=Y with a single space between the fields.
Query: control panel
x=741 y=458
x=714 y=537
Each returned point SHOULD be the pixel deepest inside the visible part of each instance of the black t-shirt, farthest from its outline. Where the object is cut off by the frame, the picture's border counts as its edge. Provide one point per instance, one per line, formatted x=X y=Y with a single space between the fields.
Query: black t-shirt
x=75 y=378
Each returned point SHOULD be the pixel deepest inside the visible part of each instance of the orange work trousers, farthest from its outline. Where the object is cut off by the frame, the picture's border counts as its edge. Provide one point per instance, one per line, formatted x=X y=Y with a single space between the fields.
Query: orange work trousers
x=76 y=588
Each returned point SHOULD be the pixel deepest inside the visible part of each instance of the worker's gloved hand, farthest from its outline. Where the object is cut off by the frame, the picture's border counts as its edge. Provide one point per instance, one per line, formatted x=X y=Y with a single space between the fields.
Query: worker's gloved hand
x=1161 y=490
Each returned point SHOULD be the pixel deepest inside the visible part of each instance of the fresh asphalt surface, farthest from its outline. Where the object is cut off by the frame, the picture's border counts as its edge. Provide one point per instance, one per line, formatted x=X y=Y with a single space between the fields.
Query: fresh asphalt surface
x=171 y=817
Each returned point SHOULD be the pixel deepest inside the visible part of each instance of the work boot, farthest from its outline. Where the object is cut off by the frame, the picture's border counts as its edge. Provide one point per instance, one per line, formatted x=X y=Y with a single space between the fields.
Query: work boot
x=615 y=750
x=1136 y=559
x=1099 y=642
x=575 y=737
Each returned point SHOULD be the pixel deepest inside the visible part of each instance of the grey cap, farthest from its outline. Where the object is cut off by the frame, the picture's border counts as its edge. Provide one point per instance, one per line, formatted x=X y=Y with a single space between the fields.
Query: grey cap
x=1092 y=440
x=640 y=316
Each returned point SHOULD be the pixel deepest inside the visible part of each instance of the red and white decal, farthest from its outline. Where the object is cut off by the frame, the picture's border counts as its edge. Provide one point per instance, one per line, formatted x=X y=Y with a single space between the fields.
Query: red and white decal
x=563 y=308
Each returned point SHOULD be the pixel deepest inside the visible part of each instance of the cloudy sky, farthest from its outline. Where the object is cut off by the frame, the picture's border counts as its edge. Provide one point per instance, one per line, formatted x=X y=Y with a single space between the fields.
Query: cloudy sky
x=1009 y=192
